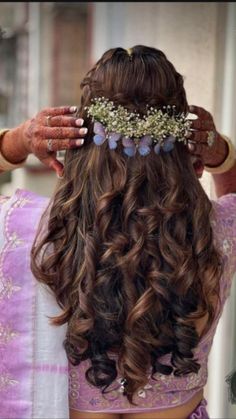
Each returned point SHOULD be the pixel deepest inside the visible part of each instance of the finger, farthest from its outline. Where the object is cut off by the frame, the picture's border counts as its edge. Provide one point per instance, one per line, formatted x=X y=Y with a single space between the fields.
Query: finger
x=201 y=112
x=63 y=121
x=61 y=133
x=58 y=145
x=198 y=136
x=54 y=164
x=197 y=143
x=196 y=149
x=202 y=124
x=60 y=110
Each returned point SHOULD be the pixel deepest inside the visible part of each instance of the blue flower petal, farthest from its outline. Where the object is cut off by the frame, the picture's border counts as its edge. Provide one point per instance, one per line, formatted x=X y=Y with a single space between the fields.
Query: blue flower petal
x=99 y=139
x=112 y=143
x=171 y=138
x=98 y=128
x=167 y=146
x=146 y=140
x=114 y=136
x=130 y=151
x=127 y=142
x=144 y=150
x=157 y=148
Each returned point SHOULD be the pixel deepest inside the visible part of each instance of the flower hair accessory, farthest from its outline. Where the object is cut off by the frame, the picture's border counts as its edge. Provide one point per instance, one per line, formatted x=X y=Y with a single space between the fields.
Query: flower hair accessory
x=158 y=128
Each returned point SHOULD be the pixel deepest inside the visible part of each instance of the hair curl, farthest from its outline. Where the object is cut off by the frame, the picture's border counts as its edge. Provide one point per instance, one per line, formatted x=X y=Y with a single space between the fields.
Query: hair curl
x=129 y=251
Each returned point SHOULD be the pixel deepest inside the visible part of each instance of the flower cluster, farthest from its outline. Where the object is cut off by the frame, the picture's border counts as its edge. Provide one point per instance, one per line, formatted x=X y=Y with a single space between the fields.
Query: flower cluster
x=160 y=128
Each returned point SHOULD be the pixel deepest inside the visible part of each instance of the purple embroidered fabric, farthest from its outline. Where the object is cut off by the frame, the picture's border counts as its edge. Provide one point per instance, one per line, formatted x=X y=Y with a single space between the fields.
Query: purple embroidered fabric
x=19 y=217
x=200 y=412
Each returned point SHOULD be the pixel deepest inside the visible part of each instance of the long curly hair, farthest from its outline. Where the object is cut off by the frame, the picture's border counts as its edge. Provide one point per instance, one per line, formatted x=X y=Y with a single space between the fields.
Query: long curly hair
x=128 y=250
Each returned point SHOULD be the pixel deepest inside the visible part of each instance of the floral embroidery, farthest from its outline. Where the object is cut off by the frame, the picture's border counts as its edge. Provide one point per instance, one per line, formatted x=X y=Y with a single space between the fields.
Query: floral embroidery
x=15 y=241
x=8 y=288
x=227 y=245
x=142 y=393
x=94 y=402
x=22 y=201
x=121 y=383
x=12 y=283
x=6 y=380
x=6 y=333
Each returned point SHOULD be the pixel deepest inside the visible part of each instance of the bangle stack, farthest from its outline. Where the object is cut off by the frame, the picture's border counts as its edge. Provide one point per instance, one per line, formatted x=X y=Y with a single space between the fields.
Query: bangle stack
x=228 y=163
x=5 y=165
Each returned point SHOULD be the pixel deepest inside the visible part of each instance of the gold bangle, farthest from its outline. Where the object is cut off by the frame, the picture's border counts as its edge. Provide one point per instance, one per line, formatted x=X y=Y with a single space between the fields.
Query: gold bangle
x=5 y=165
x=228 y=163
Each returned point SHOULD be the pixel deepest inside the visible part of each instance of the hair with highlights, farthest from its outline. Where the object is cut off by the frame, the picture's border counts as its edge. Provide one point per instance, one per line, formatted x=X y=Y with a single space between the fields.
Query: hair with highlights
x=128 y=250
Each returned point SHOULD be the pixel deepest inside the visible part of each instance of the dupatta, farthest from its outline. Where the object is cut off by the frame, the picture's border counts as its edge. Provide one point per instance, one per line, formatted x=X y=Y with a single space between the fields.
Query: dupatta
x=33 y=362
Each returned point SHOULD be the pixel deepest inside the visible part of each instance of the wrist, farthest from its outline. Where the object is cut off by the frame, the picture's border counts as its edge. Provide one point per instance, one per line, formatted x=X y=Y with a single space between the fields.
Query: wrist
x=218 y=153
x=13 y=147
x=229 y=161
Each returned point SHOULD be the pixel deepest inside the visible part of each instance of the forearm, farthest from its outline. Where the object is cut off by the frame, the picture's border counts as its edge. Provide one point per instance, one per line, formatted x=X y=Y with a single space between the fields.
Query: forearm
x=12 y=149
x=225 y=182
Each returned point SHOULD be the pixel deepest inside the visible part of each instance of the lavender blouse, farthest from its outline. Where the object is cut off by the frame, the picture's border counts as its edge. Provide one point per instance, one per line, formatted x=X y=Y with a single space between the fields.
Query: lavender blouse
x=34 y=373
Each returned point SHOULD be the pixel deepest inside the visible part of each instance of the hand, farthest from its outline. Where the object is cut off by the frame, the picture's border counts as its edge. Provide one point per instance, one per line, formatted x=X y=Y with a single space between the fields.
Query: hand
x=51 y=130
x=197 y=141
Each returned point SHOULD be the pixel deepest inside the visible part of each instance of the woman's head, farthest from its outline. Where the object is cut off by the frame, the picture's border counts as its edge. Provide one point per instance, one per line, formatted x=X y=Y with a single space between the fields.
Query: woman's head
x=129 y=251
x=143 y=78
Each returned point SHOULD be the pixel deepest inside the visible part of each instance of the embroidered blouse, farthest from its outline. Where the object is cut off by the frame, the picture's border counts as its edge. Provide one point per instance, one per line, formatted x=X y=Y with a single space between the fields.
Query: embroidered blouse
x=32 y=371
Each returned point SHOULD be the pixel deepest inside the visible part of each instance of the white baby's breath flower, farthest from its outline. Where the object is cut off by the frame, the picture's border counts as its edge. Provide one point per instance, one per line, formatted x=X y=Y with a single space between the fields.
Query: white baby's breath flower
x=156 y=123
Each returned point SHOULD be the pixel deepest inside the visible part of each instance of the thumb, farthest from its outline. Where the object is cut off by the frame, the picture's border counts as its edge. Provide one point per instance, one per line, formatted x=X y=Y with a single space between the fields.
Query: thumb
x=54 y=164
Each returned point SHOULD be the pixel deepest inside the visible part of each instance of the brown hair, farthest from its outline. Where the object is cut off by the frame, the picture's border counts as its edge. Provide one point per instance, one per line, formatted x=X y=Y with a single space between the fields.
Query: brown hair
x=129 y=250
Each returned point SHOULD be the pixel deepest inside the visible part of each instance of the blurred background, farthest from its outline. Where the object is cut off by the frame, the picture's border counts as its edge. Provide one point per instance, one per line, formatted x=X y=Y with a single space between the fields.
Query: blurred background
x=48 y=47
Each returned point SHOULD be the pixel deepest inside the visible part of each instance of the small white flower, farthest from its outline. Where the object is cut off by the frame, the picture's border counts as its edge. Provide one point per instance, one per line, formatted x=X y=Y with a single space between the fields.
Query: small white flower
x=226 y=246
x=142 y=393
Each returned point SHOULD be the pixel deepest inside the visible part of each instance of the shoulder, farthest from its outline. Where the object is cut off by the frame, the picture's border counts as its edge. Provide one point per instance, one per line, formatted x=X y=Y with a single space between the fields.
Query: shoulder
x=20 y=214
x=225 y=205
x=224 y=215
x=24 y=198
x=224 y=231
x=31 y=198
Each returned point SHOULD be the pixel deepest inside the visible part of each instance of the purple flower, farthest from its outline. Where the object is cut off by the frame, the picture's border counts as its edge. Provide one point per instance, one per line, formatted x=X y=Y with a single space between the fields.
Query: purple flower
x=112 y=139
x=129 y=146
x=99 y=139
x=101 y=136
x=157 y=148
x=98 y=128
x=144 y=145
x=168 y=144
x=100 y=132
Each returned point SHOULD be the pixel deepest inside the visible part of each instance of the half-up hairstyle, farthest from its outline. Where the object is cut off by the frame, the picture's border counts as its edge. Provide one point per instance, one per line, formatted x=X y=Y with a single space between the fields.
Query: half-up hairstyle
x=129 y=250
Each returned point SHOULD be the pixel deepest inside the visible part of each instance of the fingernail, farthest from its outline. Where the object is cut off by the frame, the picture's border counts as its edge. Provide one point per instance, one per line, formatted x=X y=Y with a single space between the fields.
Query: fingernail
x=83 y=131
x=191 y=147
x=60 y=175
x=79 y=142
x=73 y=109
x=79 y=122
